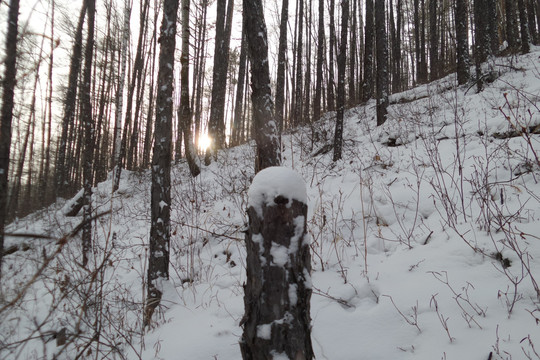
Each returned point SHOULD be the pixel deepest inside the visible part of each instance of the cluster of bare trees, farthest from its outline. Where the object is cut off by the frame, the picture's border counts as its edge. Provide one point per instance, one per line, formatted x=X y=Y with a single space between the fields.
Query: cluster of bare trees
x=117 y=107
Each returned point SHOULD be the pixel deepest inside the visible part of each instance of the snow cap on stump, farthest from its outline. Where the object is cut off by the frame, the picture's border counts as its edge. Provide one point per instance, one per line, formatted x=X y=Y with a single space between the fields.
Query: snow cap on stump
x=273 y=182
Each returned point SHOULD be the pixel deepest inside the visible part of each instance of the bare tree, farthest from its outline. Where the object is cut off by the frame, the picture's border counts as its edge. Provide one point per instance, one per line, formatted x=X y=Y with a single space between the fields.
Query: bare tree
x=160 y=207
x=184 y=110
x=382 y=62
x=62 y=171
x=462 y=39
x=342 y=59
x=266 y=130
x=88 y=128
x=282 y=49
x=8 y=85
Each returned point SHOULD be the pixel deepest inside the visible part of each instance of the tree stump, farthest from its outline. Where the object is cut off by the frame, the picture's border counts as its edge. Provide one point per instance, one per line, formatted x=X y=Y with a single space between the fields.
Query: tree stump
x=278 y=290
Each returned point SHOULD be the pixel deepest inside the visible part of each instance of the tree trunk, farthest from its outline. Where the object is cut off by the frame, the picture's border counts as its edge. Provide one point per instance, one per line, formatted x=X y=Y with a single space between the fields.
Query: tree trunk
x=119 y=102
x=278 y=285
x=160 y=205
x=237 y=122
x=331 y=44
x=433 y=41
x=382 y=62
x=184 y=111
x=319 y=66
x=342 y=59
x=266 y=134
x=462 y=39
x=216 y=126
x=8 y=85
x=62 y=171
x=367 y=88
x=280 y=78
x=511 y=25
x=88 y=126
x=524 y=28
x=298 y=96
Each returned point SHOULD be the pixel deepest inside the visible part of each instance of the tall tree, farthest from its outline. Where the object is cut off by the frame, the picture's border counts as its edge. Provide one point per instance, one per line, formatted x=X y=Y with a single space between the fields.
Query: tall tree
x=319 y=66
x=160 y=203
x=382 y=62
x=62 y=170
x=88 y=127
x=512 y=36
x=282 y=50
x=367 y=88
x=8 y=85
x=493 y=25
x=524 y=28
x=184 y=110
x=239 y=100
x=216 y=126
x=331 y=45
x=433 y=40
x=298 y=96
x=342 y=59
x=268 y=151
x=119 y=101
x=462 y=40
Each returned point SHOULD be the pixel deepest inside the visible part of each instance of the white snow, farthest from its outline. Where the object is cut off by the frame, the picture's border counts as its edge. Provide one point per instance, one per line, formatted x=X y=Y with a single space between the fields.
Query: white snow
x=276 y=181
x=404 y=241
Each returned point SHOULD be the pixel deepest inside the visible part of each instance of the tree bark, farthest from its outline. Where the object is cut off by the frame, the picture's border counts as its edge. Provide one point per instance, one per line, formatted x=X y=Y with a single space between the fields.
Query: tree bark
x=278 y=285
x=160 y=204
x=282 y=50
x=266 y=133
x=524 y=28
x=184 y=111
x=367 y=88
x=342 y=59
x=88 y=127
x=462 y=39
x=382 y=62
x=8 y=85
x=62 y=171
x=319 y=66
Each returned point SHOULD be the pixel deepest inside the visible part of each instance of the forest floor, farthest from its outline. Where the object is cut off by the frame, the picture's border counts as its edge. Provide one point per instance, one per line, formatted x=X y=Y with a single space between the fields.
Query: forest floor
x=425 y=241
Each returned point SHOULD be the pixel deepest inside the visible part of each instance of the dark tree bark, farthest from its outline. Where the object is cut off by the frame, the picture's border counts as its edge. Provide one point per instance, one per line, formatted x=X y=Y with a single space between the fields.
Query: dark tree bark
x=278 y=290
x=8 y=85
x=331 y=45
x=216 y=126
x=367 y=88
x=160 y=205
x=382 y=62
x=280 y=79
x=462 y=40
x=268 y=151
x=482 y=43
x=524 y=28
x=512 y=35
x=319 y=65
x=298 y=95
x=492 y=26
x=62 y=170
x=88 y=126
x=342 y=59
x=433 y=41
x=238 y=107
x=184 y=111
x=352 y=58
x=532 y=22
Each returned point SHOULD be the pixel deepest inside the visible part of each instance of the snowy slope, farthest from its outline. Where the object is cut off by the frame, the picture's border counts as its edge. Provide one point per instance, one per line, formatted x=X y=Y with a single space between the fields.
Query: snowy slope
x=425 y=241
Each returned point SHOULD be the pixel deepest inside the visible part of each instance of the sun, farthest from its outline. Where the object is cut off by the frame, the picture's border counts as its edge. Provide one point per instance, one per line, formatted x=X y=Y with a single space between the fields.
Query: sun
x=204 y=142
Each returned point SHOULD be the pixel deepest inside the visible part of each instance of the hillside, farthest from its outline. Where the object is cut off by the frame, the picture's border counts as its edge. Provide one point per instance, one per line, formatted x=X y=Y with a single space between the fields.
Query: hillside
x=425 y=241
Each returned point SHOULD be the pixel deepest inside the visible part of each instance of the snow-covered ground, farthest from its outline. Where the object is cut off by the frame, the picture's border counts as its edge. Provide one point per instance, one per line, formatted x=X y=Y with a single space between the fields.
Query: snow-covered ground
x=425 y=241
